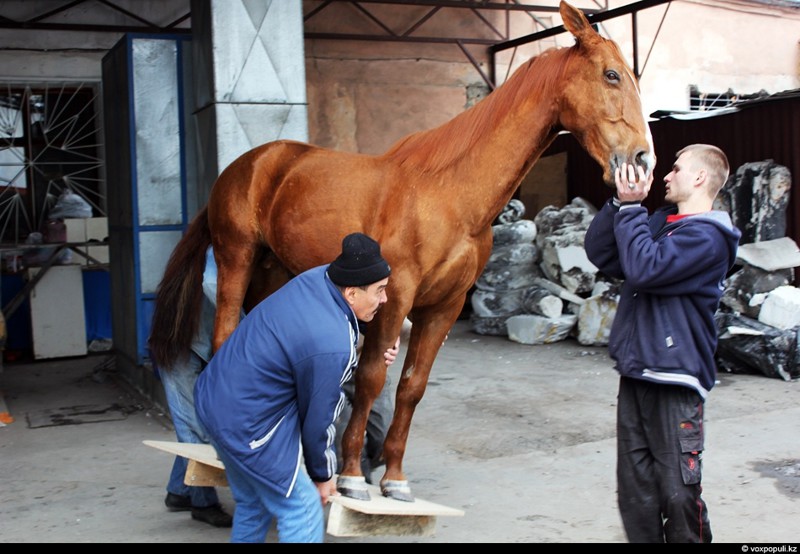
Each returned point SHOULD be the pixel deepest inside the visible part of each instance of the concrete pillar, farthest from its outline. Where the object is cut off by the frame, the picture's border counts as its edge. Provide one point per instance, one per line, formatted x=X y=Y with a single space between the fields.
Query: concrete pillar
x=250 y=84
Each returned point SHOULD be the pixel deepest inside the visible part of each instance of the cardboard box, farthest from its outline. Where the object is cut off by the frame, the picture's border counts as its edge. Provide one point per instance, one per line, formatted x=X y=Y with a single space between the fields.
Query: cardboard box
x=76 y=229
x=87 y=229
x=99 y=253
x=97 y=228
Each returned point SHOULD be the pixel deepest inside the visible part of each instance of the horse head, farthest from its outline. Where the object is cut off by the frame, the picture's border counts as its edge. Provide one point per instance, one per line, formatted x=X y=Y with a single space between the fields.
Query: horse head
x=620 y=132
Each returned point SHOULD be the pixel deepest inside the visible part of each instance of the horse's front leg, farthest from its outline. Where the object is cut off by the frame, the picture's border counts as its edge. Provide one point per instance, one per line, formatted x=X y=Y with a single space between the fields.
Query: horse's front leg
x=370 y=378
x=427 y=336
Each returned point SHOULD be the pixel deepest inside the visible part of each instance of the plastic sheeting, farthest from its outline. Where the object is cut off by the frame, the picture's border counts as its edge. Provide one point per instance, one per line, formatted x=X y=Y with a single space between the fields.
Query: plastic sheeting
x=748 y=346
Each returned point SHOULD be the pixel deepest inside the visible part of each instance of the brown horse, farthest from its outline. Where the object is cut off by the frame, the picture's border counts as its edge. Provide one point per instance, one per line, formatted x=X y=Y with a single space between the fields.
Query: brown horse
x=430 y=201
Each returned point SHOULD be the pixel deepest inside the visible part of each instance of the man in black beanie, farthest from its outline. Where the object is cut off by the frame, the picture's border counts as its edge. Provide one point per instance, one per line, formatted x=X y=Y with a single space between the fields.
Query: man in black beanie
x=359 y=264
x=271 y=394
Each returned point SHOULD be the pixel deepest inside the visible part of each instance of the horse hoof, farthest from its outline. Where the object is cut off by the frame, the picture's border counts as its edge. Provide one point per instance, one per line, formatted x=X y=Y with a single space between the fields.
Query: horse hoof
x=352 y=487
x=398 y=490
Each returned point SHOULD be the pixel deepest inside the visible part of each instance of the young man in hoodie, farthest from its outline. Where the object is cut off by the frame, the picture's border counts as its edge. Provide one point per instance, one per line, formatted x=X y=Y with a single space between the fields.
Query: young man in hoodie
x=663 y=338
x=270 y=396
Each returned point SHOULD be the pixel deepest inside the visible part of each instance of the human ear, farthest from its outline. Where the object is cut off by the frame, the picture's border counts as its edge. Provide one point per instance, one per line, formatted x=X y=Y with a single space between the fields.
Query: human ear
x=701 y=176
x=350 y=295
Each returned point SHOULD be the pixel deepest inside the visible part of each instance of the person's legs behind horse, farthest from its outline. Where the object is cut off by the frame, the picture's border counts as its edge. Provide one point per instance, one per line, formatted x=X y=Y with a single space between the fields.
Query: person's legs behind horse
x=202 y=501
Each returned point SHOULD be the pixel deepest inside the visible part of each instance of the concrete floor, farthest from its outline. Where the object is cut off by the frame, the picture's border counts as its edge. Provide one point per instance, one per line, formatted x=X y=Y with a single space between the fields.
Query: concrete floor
x=521 y=438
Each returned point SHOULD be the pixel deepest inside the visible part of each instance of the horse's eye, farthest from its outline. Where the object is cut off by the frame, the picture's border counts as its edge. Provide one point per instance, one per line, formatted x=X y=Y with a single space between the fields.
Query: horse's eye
x=612 y=76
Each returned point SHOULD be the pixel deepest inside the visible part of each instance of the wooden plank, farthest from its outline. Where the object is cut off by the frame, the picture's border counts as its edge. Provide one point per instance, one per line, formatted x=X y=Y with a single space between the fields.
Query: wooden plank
x=203 y=453
x=199 y=474
x=344 y=522
x=379 y=516
x=204 y=469
x=348 y=517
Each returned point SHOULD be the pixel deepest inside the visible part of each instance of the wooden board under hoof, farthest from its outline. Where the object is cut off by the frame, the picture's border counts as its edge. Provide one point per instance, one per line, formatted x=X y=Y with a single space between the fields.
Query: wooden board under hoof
x=379 y=516
x=199 y=474
x=347 y=517
x=204 y=469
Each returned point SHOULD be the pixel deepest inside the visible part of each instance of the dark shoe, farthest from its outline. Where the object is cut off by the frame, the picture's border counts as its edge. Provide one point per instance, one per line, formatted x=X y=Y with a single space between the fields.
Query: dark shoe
x=213 y=515
x=178 y=503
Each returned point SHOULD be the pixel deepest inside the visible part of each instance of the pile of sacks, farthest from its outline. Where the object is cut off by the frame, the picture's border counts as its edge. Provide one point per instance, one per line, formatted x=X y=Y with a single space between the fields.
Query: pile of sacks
x=538 y=286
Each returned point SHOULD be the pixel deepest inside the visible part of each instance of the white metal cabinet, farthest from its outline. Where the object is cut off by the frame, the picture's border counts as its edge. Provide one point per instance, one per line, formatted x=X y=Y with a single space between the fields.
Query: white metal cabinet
x=58 y=320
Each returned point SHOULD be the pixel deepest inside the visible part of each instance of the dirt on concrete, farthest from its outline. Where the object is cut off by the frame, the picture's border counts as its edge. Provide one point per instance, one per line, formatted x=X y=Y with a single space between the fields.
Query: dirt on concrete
x=519 y=437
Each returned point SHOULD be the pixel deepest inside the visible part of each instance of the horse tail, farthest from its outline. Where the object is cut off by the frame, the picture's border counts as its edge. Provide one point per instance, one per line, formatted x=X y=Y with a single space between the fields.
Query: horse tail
x=179 y=296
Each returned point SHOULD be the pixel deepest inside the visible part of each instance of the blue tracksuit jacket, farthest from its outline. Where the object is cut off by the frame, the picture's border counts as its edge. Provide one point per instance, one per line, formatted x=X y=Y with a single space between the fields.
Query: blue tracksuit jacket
x=269 y=397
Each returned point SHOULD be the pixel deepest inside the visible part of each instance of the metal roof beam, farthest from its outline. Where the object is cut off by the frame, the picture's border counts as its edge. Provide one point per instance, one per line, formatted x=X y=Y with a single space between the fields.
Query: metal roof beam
x=38 y=23
x=597 y=17
x=467 y=4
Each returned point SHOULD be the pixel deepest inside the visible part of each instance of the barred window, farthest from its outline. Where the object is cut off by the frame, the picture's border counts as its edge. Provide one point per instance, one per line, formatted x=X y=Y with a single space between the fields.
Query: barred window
x=50 y=141
x=707 y=101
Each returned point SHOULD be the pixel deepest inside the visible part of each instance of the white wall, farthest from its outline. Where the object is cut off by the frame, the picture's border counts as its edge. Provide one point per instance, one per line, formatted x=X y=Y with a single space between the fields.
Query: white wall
x=716 y=45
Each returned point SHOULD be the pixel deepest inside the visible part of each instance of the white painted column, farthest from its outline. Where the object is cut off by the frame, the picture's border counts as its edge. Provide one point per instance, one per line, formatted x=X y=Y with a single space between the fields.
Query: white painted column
x=249 y=78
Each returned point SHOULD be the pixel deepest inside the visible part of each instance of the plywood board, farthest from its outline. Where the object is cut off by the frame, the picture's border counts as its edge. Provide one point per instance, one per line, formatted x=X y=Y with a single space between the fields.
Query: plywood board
x=379 y=516
x=199 y=474
x=203 y=453
x=347 y=517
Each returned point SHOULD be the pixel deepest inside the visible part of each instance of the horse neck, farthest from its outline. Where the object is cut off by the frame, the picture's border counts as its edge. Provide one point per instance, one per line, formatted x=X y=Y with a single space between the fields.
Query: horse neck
x=500 y=159
x=483 y=154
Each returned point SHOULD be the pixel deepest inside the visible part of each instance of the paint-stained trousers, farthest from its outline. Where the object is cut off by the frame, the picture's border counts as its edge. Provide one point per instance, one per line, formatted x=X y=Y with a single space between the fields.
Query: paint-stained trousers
x=660 y=439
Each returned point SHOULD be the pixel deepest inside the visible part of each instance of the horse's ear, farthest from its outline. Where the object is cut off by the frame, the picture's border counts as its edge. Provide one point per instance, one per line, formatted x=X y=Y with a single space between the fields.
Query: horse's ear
x=575 y=22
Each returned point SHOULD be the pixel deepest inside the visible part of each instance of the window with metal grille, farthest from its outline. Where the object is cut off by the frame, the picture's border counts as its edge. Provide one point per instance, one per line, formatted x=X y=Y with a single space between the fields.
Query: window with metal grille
x=707 y=101
x=50 y=141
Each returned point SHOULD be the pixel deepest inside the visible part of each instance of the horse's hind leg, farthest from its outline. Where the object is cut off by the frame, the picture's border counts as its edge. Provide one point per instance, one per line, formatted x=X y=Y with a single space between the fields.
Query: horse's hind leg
x=234 y=269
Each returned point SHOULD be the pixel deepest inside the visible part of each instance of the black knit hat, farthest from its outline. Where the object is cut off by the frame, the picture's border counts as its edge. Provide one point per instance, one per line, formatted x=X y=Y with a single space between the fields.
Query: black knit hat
x=360 y=262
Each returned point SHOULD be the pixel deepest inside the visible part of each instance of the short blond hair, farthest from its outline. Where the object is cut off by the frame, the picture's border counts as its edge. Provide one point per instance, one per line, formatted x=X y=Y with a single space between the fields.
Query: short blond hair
x=715 y=162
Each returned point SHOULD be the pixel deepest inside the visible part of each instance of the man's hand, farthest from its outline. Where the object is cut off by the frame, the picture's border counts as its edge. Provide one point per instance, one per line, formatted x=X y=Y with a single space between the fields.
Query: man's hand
x=632 y=183
x=391 y=353
x=326 y=490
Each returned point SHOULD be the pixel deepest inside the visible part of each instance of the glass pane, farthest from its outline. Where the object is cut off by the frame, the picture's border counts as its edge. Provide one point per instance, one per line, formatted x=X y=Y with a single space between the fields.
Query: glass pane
x=12 y=167
x=154 y=250
x=158 y=142
x=10 y=117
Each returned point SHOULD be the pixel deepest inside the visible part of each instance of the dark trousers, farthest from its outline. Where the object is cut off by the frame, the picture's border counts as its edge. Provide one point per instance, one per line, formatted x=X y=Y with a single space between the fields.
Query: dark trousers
x=659 y=463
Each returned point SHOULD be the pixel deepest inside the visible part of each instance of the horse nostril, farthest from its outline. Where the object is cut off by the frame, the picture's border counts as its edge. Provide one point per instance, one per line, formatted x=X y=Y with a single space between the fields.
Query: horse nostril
x=642 y=159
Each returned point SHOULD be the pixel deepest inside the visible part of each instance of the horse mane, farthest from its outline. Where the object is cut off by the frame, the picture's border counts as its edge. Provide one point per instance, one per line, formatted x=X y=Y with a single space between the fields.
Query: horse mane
x=179 y=296
x=433 y=150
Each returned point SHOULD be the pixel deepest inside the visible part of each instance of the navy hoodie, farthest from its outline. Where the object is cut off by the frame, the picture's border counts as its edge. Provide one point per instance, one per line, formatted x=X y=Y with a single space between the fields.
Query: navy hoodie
x=664 y=329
